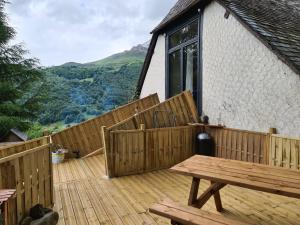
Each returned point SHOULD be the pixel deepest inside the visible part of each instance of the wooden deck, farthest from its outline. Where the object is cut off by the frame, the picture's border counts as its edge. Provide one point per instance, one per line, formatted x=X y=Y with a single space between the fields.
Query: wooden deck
x=84 y=196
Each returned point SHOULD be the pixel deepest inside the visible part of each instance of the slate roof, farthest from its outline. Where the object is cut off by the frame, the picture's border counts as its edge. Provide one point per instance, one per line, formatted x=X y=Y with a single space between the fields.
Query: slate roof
x=178 y=9
x=276 y=23
x=19 y=134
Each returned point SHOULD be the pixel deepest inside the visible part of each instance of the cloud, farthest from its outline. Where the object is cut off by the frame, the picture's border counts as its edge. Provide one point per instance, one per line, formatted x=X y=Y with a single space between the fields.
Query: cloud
x=83 y=30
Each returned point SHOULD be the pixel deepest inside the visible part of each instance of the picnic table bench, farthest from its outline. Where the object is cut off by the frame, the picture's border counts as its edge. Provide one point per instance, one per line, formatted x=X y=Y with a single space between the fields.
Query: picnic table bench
x=221 y=172
x=179 y=214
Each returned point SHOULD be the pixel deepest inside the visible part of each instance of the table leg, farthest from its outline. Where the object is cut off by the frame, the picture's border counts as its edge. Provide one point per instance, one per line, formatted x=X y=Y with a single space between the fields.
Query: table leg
x=194 y=191
x=213 y=190
x=218 y=201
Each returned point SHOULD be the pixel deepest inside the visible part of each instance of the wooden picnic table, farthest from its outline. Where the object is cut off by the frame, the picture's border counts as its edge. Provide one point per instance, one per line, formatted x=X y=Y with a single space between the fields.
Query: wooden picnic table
x=220 y=172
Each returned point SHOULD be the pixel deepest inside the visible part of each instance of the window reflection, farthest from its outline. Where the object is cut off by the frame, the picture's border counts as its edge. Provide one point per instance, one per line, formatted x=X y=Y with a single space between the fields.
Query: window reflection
x=183 y=52
x=175 y=80
x=190 y=63
x=183 y=35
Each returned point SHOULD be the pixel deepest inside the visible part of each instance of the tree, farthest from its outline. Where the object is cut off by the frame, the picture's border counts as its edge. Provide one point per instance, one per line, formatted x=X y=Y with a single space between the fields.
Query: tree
x=20 y=81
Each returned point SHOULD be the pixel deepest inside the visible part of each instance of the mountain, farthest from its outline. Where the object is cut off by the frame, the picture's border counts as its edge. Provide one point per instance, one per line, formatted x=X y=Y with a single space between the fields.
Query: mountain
x=77 y=92
x=135 y=54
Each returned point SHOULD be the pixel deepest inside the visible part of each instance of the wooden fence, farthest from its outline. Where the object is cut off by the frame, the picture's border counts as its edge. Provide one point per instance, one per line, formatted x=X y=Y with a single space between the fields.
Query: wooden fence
x=29 y=171
x=176 y=111
x=138 y=151
x=22 y=146
x=284 y=152
x=85 y=137
x=241 y=145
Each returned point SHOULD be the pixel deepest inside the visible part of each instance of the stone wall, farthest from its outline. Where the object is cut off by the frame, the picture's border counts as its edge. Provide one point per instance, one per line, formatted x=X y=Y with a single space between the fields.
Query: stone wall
x=245 y=85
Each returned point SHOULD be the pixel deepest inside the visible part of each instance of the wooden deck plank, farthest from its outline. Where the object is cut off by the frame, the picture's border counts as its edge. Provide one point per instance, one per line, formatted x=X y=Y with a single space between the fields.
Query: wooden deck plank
x=81 y=187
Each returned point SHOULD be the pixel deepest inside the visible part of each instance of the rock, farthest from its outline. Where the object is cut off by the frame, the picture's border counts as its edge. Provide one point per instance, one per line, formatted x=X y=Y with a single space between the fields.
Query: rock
x=50 y=218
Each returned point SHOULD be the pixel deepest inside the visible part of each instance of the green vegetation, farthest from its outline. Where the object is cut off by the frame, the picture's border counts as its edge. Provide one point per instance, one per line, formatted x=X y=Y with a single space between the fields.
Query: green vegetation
x=78 y=92
x=20 y=82
x=34 y=99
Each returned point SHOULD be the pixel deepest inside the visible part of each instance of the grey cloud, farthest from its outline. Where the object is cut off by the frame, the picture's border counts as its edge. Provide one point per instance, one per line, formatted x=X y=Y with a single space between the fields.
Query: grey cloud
x=57 y=31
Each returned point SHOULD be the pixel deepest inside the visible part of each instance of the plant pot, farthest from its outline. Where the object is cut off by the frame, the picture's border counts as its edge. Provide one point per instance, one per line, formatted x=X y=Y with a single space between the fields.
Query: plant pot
x=57 y=157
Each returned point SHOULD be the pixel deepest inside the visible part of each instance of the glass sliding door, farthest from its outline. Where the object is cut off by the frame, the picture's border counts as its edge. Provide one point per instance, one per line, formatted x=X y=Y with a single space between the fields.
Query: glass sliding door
x=183 y=71
x=175 y=73
x=190 y=71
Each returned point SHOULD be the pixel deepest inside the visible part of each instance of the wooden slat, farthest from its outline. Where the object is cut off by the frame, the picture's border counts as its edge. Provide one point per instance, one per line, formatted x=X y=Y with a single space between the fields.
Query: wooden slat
x=249 y=176
x=22 y=146
x=284 y=152
x=190 y=216
x=138 y=151
x=86 y=136
x=248 y=146
x=26 y=170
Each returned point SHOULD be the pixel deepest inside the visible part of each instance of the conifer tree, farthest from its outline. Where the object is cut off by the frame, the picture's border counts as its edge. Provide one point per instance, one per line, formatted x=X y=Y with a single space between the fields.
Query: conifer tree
x=20 y=80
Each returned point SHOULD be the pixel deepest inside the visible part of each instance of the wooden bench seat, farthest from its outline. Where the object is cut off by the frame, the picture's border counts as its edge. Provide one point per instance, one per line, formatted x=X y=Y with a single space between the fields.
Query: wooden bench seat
x=190 y=216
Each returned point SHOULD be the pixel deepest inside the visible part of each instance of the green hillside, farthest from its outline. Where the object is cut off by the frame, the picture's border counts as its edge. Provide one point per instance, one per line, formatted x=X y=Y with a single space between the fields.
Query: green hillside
x=77 y=92
x=121 y=58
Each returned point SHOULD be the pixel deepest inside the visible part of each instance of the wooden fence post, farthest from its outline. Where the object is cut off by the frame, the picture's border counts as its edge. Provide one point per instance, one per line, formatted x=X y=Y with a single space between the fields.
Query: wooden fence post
x=136 y=121
x=272 y=130
x=105 y=141
x=268 y=159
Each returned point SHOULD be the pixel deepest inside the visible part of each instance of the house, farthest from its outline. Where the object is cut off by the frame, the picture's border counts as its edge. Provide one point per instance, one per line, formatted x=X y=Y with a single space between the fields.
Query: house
x=240 y=59
x=14 y=135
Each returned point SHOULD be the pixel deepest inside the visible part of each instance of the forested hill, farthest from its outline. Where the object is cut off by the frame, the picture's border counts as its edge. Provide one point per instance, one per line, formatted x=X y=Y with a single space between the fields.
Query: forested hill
x=80 y=91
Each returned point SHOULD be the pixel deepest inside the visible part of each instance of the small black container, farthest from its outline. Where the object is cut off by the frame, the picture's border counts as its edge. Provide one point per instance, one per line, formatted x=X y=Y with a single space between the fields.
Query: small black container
x=206 y=145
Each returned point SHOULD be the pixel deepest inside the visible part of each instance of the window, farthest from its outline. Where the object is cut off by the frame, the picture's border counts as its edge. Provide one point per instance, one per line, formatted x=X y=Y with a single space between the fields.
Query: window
x=183 y=72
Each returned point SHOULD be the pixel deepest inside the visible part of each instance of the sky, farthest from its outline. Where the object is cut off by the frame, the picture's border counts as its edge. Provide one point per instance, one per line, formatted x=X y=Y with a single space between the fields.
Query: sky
x=60 y=31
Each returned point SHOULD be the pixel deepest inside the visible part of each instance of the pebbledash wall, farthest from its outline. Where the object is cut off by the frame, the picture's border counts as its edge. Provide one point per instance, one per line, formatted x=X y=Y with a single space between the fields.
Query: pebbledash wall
x=155 y=79
x=245 y=85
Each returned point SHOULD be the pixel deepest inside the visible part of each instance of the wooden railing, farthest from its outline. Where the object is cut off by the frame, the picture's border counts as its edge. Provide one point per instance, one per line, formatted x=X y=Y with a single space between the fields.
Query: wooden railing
x=22 y=146
x=139 y=151
x=29 y=171
x=241 y=145
x=85 y=137
x=284 y=152
x=142 y=150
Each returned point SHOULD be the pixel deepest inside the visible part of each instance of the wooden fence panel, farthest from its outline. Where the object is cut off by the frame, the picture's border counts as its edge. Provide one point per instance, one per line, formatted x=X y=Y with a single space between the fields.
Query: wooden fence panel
x=30 y=173
x=284 y=152
x=166 y=147
x=23 y=146
x=85 y=137
x=128 y=150
x=241 y=145
x=176 y=111
x=138 y=151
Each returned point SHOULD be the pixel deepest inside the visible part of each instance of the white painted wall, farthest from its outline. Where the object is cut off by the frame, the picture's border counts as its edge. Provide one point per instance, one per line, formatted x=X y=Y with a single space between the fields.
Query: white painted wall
x=155 y=79
x=244 y=84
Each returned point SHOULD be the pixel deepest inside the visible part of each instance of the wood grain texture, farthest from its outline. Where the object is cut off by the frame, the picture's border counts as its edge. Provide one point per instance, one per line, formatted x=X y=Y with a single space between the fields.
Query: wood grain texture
x=259 y=177
x=22 y=146
x=179 y=110
x=284 y=152
x=138 y=151
x=248 y=146
x=29 y=171
x=86 y=137
x=81 y=186
x=190 y=216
